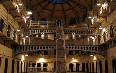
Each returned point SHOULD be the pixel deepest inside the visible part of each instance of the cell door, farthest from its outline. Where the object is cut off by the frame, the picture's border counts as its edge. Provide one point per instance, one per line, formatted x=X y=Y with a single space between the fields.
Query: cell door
x=71 y=67
x=100 y=66
x=26 y=67
x=45 y=67
x=87 y=67
x=33 y=67
x=106 y=66
x=17 y=66
x=114 y=65
x=92 y=67
x=12 y=66
x=83 y=67
x=77 y=67
x=33 y=64
x=21 y=66
x=6 y=65
x=38 y=67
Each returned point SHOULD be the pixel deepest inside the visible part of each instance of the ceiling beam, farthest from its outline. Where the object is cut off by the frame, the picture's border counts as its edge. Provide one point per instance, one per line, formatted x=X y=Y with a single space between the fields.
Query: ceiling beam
x=63 y=13
x=44 y=7
x=37 y=4
x=74 y=11
x=77 y=4
x=52 y=14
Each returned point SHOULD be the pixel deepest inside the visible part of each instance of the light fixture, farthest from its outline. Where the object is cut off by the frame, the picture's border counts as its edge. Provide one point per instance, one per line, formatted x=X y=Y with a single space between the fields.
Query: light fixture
x=100 y=27
x=26 y=55
x=41 y=60
x=26 y=36
x=20 y=4
x=18 y=30
x=89 y=17
x=98 y=4
x=91 y=55
x=29 y=12
x=73 y=58
x=27 y=17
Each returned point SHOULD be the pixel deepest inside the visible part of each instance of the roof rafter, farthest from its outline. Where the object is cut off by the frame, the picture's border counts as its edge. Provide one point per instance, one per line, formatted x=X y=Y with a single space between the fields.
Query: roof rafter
x=37 y=4
x=81 y=8
x=45 y=6
x=52 y=12
x=64 y=13
x=75 y=12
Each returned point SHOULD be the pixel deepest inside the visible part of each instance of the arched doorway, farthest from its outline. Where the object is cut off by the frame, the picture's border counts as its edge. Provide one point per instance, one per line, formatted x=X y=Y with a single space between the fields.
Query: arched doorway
x=114 y=65
x=77 y=67
x=71 y=67
x=45 y=67
x=38 y=67
x=87 y=67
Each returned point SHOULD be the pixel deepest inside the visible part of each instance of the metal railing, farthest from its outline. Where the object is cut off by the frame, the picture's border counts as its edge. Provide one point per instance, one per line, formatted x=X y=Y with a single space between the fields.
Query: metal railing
x=28 y=48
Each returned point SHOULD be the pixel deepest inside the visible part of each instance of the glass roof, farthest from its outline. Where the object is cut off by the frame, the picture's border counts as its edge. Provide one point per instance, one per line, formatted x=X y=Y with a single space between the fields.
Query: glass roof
x=58 y=1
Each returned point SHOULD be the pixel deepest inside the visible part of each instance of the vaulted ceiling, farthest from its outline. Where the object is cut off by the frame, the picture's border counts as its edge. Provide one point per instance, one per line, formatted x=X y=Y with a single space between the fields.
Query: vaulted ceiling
x=64 y=10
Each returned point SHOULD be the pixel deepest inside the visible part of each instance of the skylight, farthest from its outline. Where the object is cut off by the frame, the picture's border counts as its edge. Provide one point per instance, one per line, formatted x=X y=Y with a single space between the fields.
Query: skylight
x=58 y=1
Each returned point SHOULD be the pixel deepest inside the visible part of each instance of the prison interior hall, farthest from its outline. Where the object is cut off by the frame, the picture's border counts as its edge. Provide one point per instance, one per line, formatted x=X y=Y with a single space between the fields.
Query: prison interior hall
x=57 y=36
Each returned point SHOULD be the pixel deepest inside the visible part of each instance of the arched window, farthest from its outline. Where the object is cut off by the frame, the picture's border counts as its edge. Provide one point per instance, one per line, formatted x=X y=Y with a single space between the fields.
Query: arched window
x=72 y=21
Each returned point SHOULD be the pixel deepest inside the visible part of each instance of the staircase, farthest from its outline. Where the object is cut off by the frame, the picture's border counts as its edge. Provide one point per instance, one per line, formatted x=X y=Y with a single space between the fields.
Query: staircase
x=60 y=52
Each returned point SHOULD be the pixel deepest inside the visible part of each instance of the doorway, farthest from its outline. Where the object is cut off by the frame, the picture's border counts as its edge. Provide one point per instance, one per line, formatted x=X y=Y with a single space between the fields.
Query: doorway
x=45 y=67
x=12 y=66
x=33 y=64
x=87 y=67
x=38 y=67
x=77 y=67
x=17 y=66
x=21 y=66
x=92 y=67
x=71 y=67
x=100 y=66
x=6 y=65
x=96 y=67
x=83 y=67
x=26 y=67
x=114 y=65
x=106 y=66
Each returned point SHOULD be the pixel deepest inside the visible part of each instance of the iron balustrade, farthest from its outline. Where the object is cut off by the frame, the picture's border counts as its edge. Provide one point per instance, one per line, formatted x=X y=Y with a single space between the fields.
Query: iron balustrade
x=34 y=69
x=37 y=31
x=29 y=48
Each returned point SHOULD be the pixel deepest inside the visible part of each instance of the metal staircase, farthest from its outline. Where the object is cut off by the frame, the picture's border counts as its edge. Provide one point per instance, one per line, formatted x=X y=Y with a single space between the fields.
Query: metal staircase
x=60 y=51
